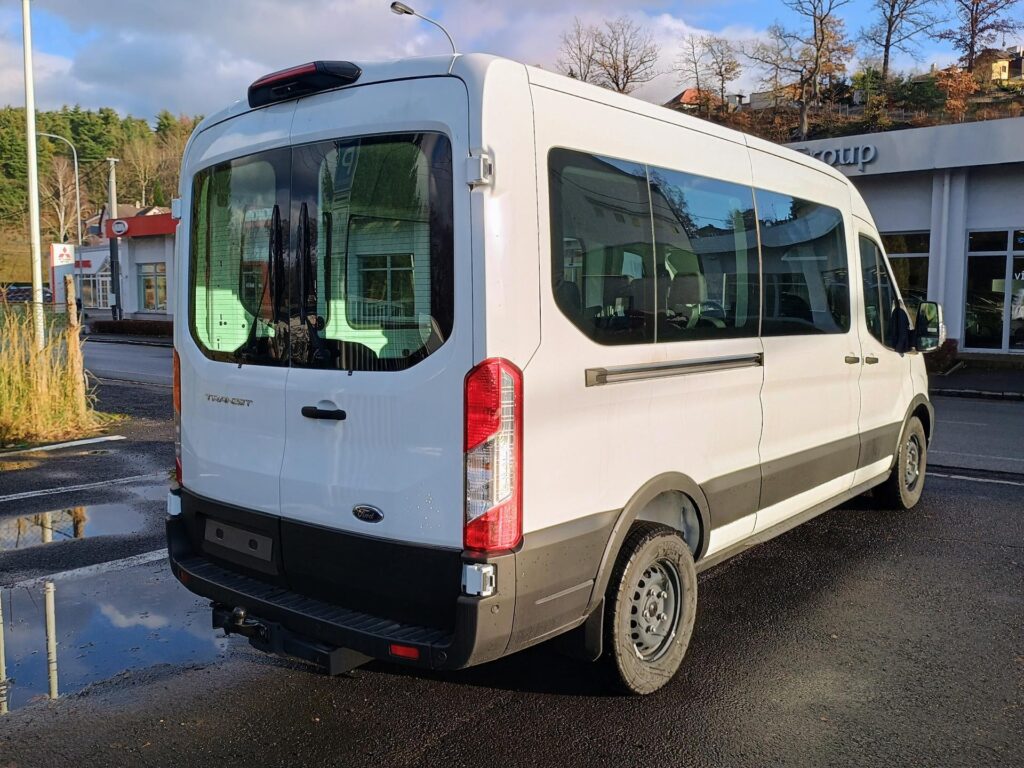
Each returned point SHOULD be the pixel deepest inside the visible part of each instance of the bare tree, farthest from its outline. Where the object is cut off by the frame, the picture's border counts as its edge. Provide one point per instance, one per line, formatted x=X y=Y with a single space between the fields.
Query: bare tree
x=141 y=161
x=805 y=57
x=692 y=63
x=897 y=23
x=724 y=65
x=626 y=55
x=978 y=24
x=58 y=194
x=578 y=54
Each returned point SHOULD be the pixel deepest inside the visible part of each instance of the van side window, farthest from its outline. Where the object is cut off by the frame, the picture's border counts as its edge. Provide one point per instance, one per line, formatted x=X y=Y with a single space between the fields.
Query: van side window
x=879 y=296
x=707 y=271
x=601 y=245
x=805 y=266
x=235 y=259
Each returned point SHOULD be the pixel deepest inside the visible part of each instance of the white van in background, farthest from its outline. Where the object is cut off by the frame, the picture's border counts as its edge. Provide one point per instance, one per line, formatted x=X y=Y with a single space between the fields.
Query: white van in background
x=471 y=355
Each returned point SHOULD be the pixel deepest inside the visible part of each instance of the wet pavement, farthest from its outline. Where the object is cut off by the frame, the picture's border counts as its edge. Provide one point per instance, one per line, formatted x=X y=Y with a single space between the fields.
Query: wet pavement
x=860 y=638
x=102 y=626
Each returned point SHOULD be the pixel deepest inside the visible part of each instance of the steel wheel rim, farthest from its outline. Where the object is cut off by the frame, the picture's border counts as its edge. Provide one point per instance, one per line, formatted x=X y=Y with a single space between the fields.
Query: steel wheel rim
x=912 y=470
x=654 y=605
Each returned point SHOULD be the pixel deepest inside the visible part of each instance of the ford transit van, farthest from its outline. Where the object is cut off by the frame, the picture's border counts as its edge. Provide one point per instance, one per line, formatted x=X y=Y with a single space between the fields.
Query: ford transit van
x=470 y=356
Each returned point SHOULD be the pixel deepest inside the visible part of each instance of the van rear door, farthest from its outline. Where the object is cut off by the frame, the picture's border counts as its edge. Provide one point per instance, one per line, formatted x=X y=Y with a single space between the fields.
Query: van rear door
x=233 y=350
x=381 y=332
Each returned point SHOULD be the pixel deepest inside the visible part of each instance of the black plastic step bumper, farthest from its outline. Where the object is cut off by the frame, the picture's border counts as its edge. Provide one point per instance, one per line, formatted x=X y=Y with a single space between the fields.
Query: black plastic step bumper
x=481 y=629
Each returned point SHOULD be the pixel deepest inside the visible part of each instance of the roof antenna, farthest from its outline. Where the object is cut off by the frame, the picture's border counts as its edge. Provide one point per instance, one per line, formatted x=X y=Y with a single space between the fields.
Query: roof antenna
x=404 y=10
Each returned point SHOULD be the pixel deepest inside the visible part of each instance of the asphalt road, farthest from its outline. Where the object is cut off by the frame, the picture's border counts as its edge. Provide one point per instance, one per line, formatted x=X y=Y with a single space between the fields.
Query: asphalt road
x=979 y=434
x=861 y=638
x=129 y=362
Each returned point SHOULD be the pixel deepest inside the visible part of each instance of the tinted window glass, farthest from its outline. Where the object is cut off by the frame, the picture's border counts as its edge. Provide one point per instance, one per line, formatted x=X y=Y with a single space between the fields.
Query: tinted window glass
x=879 y=296
x=986 y=297
x=1018 y=240
x=986 y=241
x=235 y=274
x=907 y=242
x=805 y=270
x=706 y=280
x=601 y=246
x=911 y=274
x=374 y=245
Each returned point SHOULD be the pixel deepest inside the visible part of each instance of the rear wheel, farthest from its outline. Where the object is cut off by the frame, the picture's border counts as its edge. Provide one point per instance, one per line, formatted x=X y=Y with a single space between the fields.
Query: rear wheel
x=906 y=483
x=651 y=604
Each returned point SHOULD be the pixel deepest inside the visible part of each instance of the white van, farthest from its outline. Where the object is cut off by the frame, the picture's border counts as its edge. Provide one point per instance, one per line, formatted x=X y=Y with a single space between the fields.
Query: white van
x=470 y=356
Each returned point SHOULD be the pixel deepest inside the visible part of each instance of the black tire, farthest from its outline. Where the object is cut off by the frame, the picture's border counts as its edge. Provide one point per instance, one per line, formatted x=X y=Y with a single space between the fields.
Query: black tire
x=902 y=490
x=642 y=658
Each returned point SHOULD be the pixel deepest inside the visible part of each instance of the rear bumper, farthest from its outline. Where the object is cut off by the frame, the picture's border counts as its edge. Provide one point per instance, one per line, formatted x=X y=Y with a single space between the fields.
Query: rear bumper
x=470 y=631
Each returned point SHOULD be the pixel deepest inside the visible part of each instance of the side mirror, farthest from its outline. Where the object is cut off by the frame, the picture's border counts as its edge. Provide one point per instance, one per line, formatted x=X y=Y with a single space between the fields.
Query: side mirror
x=930 y=332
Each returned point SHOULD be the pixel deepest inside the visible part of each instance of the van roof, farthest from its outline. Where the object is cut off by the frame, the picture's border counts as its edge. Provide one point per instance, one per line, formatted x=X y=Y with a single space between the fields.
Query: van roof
x=472 y=68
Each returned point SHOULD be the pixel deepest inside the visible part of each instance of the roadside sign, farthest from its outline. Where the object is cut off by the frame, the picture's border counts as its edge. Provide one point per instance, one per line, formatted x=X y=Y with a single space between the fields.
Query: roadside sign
x=62 y=254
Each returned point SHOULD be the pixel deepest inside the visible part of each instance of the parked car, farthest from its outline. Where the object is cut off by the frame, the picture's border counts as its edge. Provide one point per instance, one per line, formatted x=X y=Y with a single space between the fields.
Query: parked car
x=20 y=293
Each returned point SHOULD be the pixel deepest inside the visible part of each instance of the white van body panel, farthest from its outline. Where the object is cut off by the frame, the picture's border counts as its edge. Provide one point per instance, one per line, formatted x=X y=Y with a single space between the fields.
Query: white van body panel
x=703 y=425
x=400 y=447
x=234 y=431
x=810 y=397
x=505 y=227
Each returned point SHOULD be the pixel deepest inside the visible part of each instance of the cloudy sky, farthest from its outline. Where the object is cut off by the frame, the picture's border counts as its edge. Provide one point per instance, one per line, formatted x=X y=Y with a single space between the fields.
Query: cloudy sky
x=195 y=56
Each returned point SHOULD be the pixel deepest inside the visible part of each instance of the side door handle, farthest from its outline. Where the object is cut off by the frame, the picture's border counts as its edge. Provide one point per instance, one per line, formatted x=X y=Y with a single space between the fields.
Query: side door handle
x=852 y=359
x=871 y=360
x=330 y=414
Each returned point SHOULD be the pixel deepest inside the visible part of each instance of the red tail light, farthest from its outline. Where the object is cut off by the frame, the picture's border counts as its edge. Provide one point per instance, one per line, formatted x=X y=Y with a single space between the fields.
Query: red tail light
x=302 y=81
x=493 y=456
x=176 y=400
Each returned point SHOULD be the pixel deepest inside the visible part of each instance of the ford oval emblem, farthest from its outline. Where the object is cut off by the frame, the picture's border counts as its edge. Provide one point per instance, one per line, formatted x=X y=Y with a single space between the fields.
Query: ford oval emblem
x=367 y=514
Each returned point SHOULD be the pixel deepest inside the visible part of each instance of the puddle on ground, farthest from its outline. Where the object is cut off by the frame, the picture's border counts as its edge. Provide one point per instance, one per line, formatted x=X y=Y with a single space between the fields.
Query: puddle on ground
x=57 y=637
x=67 y=524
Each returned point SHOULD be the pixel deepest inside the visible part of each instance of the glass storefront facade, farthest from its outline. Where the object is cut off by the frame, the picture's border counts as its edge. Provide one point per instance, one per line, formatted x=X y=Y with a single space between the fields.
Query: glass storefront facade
x=908 y=254
x=994 y=299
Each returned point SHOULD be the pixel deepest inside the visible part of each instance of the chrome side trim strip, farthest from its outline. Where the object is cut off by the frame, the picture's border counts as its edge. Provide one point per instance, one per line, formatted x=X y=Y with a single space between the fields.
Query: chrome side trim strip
x=599 y=376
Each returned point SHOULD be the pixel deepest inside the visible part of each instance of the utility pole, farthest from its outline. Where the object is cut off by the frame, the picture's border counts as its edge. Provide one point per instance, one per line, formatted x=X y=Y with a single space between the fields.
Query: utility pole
x=33 y=179
x=115 y=264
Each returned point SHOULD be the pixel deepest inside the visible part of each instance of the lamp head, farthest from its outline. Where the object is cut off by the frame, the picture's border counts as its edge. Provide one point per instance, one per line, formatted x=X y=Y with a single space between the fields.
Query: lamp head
x=402 y=9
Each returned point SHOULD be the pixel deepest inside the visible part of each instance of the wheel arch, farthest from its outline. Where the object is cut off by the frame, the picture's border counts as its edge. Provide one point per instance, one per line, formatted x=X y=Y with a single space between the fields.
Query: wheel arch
x=634 y=510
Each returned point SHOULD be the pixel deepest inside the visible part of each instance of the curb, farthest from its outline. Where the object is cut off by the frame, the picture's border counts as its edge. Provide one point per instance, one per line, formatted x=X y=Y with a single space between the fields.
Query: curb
x=135 y=342
x=978 y=394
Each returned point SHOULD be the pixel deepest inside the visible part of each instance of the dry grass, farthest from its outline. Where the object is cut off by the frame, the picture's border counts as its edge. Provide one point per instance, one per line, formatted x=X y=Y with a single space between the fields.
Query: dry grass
x=42 y=393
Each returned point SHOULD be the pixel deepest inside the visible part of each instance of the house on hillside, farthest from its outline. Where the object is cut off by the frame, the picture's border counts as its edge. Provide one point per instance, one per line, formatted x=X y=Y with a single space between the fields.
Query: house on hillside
x=693 y=100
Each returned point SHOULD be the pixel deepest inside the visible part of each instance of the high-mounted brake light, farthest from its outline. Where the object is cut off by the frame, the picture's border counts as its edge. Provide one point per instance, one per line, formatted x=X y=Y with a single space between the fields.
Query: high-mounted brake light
x=493 y=456
x=303 y=80
x=176 y=401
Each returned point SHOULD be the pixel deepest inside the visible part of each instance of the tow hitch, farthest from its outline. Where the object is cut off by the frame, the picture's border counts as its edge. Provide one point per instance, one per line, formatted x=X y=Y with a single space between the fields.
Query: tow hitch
x=271 y=637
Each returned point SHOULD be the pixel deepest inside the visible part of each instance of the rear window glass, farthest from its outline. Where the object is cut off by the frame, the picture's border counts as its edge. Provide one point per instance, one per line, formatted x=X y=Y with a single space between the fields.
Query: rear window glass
x=376 y=292
x=330 y=255
x=236 y=255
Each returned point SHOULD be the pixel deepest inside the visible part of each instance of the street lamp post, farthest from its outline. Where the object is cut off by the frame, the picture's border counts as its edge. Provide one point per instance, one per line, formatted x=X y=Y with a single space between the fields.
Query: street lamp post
x=78 y=210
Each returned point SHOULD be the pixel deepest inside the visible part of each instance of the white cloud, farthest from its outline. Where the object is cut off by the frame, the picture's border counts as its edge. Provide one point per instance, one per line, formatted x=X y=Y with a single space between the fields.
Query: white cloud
x=196 y=56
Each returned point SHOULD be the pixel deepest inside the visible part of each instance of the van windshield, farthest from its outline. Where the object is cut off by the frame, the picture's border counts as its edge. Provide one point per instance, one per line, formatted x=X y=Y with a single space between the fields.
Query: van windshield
x=341 y=260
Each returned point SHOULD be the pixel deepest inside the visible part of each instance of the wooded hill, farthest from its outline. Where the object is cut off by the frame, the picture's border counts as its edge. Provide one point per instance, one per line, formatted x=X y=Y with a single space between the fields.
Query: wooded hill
x=150 y=157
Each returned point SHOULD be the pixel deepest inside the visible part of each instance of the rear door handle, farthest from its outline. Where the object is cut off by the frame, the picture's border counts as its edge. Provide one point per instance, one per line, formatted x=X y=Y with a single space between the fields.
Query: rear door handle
x=852 y=360
x=870 y=360
x=331 y=414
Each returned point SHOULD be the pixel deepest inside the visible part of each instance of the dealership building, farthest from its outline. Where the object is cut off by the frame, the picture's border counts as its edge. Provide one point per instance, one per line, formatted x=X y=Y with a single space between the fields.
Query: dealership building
x=949 y=202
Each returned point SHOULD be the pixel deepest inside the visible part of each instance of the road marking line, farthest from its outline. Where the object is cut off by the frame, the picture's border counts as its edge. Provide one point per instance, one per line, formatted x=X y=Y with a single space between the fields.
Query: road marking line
x=965 y=423
x=83 y=486
x=105 y=380
x=59 y=446
x=978 y=455
x=975 y=479
x=93 y=570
